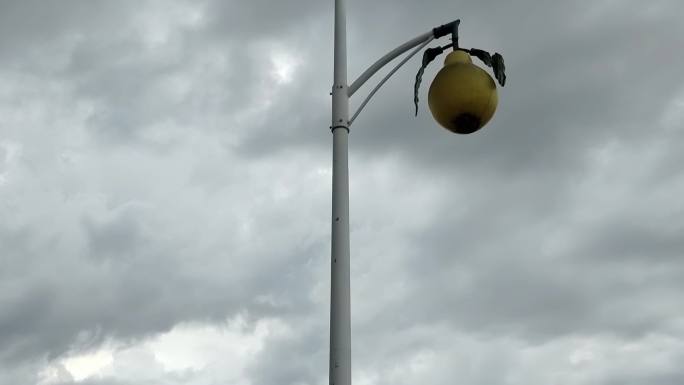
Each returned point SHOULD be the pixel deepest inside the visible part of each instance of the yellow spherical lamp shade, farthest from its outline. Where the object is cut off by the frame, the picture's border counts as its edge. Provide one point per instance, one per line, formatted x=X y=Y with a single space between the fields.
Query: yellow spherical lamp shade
x=462 y=97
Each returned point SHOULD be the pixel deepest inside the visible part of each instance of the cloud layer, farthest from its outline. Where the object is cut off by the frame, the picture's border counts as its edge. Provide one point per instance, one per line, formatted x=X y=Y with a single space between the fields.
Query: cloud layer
x=165 y=197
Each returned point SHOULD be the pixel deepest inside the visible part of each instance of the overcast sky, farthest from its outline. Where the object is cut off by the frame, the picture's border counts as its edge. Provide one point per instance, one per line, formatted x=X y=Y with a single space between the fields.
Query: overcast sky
x=165 y=182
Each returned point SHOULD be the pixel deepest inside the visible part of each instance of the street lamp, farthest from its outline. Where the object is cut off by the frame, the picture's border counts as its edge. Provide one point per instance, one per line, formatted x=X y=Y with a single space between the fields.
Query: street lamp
x=462 y=99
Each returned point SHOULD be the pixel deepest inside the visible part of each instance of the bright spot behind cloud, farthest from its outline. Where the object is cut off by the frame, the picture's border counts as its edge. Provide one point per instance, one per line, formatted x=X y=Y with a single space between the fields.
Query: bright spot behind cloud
x=284 y=65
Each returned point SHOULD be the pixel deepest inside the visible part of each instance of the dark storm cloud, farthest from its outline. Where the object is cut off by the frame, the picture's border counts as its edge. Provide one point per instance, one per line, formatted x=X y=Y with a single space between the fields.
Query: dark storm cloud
x=571 y=99
x=294 y=359
x=182 y=193
x=134 y=87
x=124 y=285
x=499 y=260
x=572 y=91
x=26 y=24
x=261 y=18
x=671 y=378
x=574 y=85
x=120 y=237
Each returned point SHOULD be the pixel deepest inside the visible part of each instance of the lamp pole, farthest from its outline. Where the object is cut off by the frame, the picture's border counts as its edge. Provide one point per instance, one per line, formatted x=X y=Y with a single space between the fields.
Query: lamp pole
x=340 y=303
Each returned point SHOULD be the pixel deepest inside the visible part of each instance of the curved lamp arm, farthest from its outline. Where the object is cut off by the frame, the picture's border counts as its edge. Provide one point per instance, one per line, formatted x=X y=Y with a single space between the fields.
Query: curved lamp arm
x=436 y=33
x=367 y=74
x=377 y=87
x=420 y=41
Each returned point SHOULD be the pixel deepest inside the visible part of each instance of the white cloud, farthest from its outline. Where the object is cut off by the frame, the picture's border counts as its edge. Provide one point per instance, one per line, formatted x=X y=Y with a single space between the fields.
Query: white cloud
x=86 y=365
x=195 y=351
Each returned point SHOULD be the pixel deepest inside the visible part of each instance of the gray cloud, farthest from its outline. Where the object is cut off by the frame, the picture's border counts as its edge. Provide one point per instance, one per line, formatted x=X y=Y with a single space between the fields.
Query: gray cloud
x=154 y=172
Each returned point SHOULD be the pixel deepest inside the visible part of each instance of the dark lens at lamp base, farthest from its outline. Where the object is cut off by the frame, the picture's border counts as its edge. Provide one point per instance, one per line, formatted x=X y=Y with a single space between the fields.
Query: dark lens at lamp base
x=465 y=124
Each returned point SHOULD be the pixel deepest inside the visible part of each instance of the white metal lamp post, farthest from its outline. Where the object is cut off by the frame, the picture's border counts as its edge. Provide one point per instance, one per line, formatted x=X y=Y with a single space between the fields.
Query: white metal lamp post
x=459 y=110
